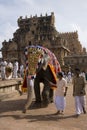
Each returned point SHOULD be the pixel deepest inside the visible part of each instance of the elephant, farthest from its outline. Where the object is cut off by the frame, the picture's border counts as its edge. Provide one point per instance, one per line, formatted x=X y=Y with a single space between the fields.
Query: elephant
x=41 y=67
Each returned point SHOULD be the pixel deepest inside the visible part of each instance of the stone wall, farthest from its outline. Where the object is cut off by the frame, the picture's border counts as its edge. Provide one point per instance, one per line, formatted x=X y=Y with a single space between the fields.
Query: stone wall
x=76 y=61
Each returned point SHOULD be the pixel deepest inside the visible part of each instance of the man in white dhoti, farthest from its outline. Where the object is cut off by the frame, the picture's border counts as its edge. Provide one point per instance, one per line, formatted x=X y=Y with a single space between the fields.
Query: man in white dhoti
x=79 y=93
x=15 y=69
x=3 y=66
x=21 y=70
x=60 y=93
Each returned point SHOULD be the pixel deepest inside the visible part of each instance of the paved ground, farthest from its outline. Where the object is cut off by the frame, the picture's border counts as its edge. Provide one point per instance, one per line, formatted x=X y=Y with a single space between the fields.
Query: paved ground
x=12 y=118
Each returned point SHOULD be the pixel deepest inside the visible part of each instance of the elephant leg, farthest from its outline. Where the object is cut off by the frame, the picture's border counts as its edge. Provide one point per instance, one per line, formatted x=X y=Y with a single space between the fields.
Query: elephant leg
x=51 y=93
x=29 y=94
x=37 y=90
x=45 y=95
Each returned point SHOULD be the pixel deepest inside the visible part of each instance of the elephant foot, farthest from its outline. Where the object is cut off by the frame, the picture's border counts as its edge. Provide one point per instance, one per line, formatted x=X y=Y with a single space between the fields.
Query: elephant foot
x=50 y=100
x=45 y=103
x=37 y=104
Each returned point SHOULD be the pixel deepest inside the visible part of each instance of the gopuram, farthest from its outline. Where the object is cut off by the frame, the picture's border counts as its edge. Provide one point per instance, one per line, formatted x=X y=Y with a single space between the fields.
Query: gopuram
x=42 y=31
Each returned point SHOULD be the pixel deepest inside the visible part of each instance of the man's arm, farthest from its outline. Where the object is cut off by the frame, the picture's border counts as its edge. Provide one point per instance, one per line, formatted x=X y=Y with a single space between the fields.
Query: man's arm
x=65 y=91
x=51 y=84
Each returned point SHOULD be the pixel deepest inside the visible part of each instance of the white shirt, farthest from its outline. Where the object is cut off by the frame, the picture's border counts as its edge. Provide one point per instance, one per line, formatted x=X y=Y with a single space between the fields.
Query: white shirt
x=61 y=85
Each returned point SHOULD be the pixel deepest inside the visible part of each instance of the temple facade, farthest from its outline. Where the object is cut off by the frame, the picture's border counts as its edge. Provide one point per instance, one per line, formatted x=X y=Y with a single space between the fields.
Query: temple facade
x=76 y=61
x=41 y=31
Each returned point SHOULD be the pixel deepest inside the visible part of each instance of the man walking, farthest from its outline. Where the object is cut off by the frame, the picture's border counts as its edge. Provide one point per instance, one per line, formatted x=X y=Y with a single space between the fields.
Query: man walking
x=79 y=92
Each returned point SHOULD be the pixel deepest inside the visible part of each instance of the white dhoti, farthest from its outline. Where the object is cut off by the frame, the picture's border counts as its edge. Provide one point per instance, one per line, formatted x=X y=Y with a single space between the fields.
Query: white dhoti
x=2 y=73
x=60 y=102
x=79 y=104
x=15 y=73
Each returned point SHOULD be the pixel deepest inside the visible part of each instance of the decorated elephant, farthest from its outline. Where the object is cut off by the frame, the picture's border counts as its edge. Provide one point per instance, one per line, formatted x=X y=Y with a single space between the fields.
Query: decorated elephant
x=41 y=67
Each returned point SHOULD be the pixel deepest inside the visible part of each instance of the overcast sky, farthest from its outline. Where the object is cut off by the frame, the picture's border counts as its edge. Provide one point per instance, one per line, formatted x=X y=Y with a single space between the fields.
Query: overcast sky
x=70 y=15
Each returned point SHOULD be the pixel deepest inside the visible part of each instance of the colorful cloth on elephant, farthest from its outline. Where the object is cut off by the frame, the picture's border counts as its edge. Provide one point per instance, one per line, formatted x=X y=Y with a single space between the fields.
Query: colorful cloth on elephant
x=34 y=53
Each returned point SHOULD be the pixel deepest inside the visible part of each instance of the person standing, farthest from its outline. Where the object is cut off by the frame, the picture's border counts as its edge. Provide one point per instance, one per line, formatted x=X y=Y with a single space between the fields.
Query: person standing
x=15 y=69
x=79 y=92
x=3 y=66
x=60 y=93
x=69 y=76
x=22 y=70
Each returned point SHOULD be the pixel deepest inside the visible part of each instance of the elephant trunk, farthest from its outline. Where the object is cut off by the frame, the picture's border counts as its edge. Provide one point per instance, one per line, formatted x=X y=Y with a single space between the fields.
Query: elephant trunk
x=30 y=94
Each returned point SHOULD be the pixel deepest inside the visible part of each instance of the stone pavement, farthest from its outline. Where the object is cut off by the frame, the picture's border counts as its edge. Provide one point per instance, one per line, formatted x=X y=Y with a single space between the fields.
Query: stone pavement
x=12 y=118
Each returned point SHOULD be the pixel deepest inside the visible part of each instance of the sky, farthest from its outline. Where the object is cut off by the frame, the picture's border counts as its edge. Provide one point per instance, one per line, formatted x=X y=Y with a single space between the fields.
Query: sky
x=70 y=16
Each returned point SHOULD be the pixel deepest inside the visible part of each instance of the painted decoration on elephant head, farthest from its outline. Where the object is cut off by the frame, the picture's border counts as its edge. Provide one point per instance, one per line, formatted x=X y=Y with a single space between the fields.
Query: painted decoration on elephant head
x=33 y=55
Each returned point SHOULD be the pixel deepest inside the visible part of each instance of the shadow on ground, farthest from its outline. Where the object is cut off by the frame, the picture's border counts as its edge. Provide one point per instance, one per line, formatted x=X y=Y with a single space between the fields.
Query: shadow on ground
x=16 y=105
x=12 y=105
x=35 y=118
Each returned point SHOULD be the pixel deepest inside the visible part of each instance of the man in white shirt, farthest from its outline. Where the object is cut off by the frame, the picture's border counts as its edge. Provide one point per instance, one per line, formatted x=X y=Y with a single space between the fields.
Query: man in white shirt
x=3 y=66
x=60 y=93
